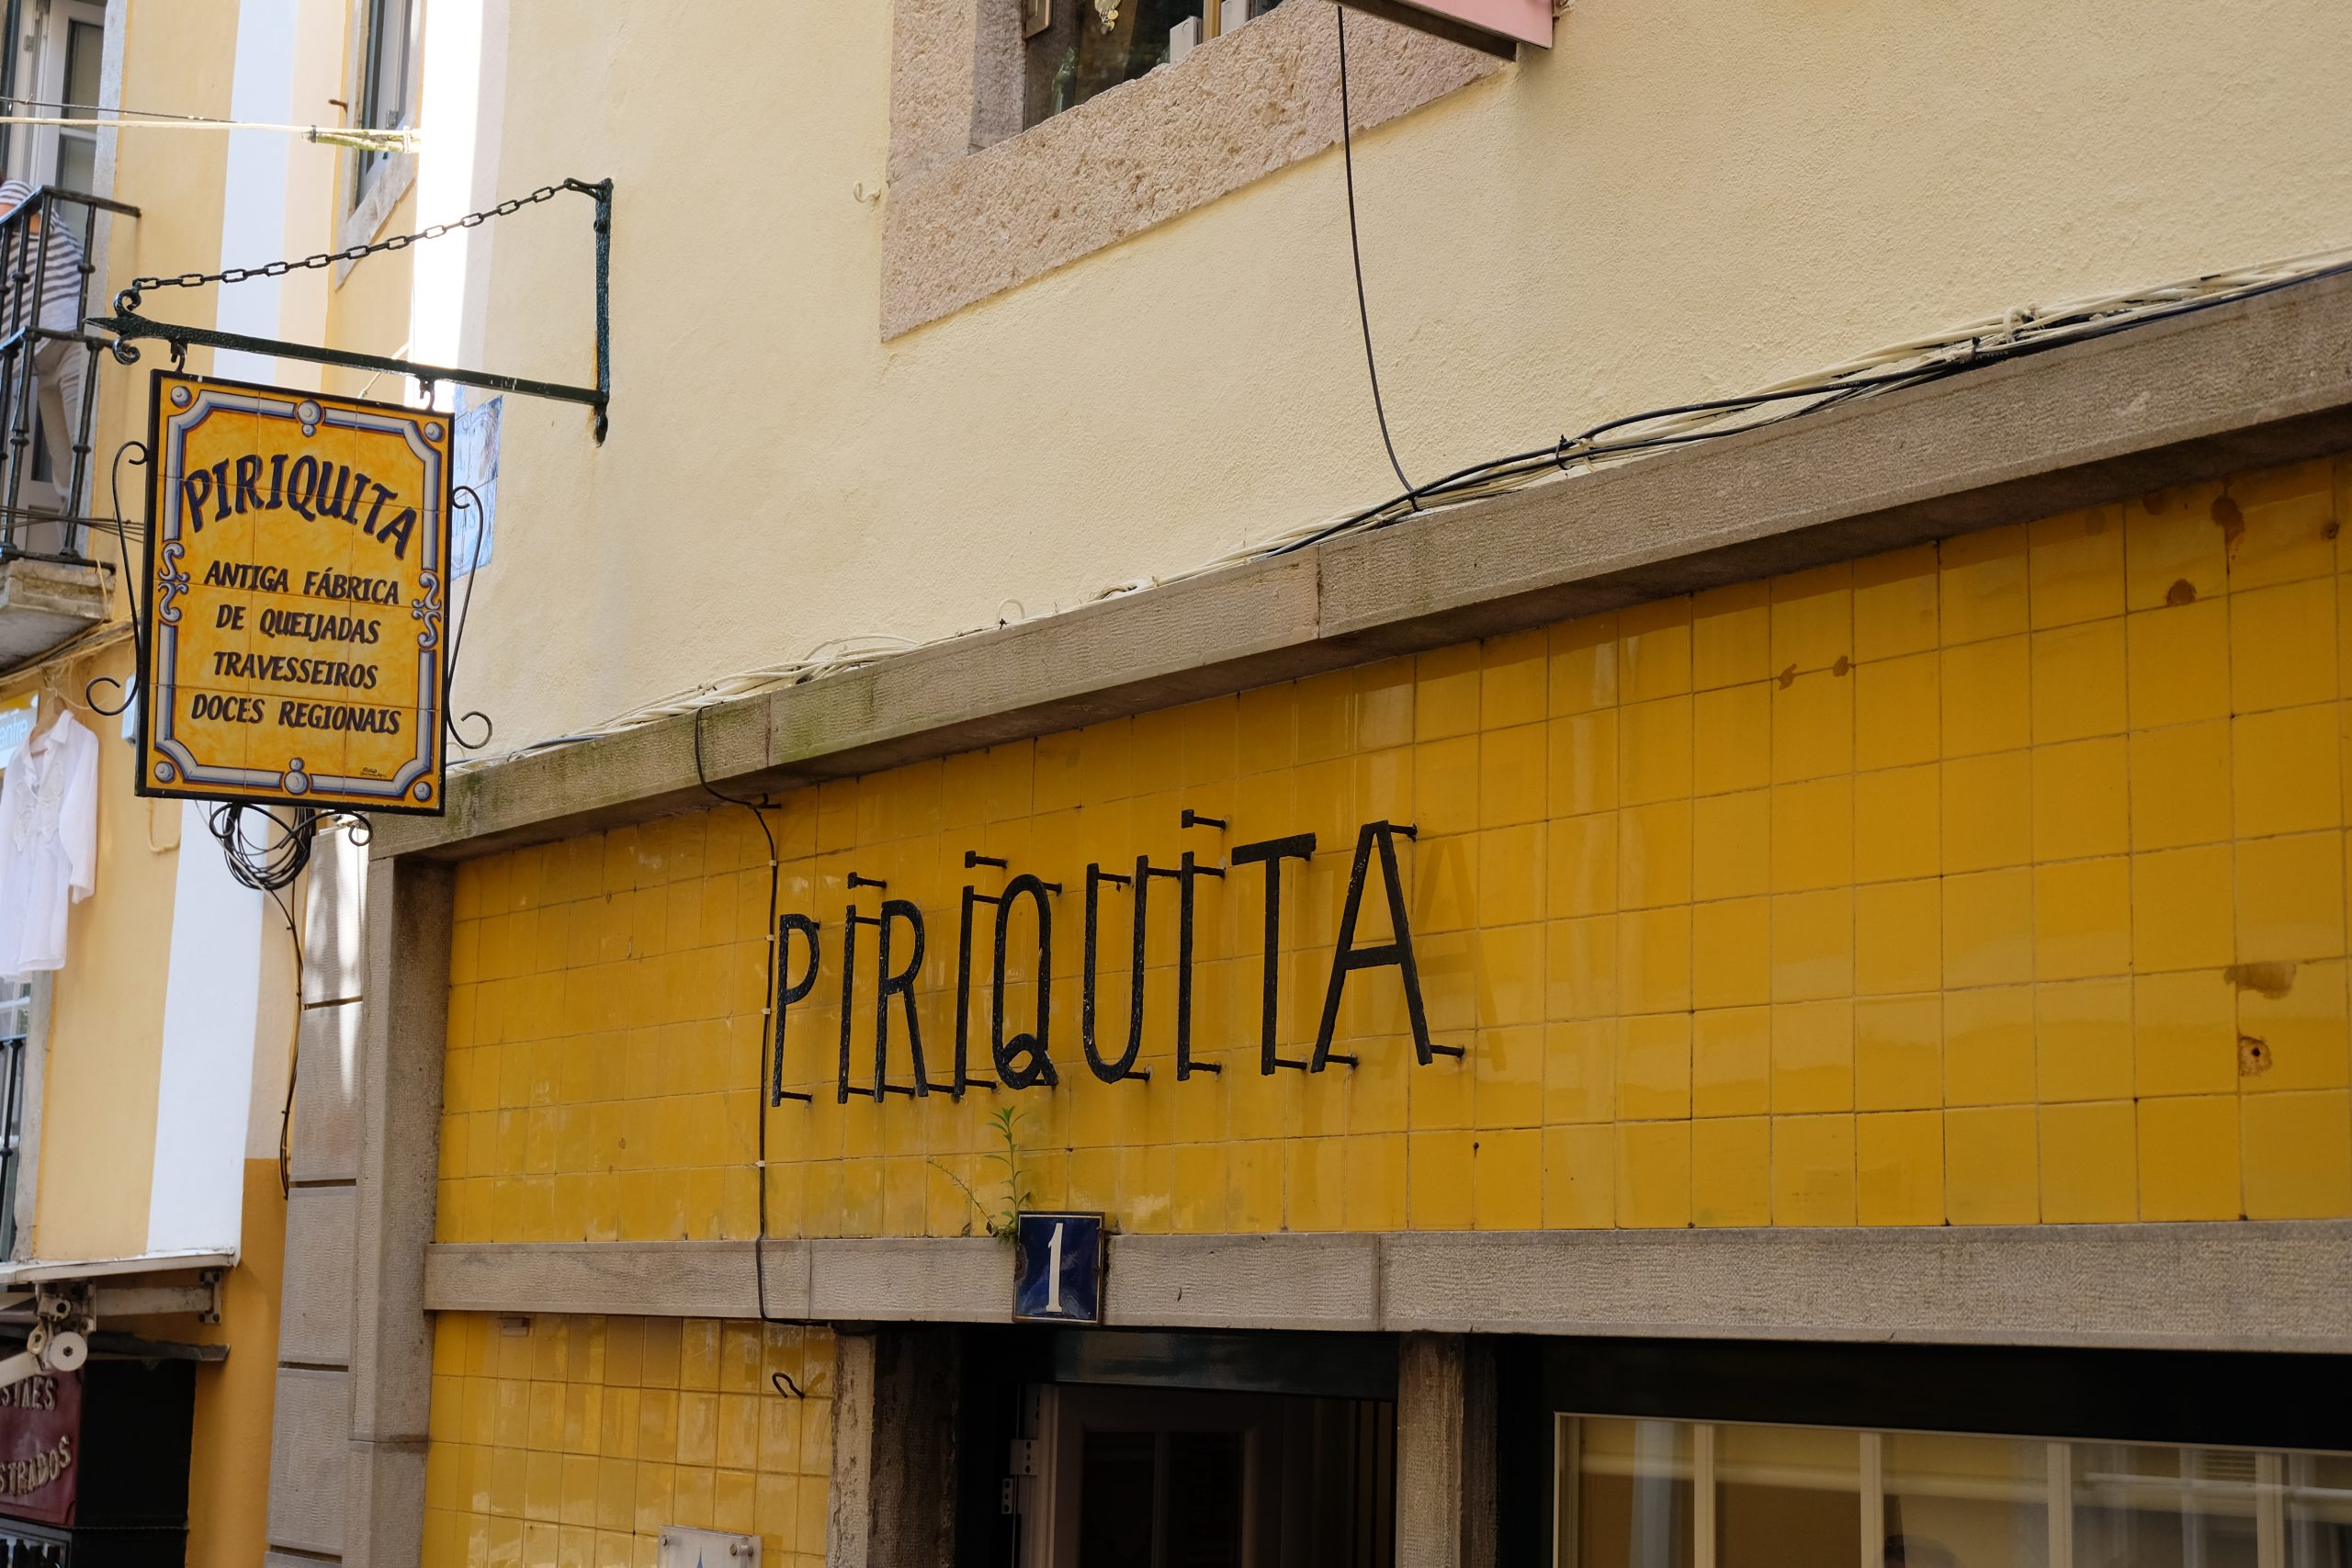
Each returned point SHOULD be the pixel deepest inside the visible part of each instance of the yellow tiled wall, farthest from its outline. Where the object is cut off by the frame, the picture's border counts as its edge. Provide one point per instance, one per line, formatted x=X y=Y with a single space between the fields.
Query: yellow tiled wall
x=1996 y=882
x=575 y=1440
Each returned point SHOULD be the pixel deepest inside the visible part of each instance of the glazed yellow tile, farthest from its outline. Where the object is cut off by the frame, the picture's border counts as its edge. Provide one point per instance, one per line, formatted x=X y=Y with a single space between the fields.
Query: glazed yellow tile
x=1580 y=1176
x=1813 y=1057
x=2177 y=663
x=2082 y=918
x=1812 y=834
x=1654 y=651
x=1898 y=823
x=1512 y=780
x=1812 y=618
x=2182 y=904
x=1582 y=763
x=1582 y=854
x=1992 y=1169
x=2189 y=1159
x=1731 y=843
x=1513 y=681
x=1507 y=1176
x=1812 y=945
x=1813 y=1171
x=1731 y=635
x=1583 y=665
x=1655 y=750
x=1982 y=584
x=1894 y=602
x=1731 y=952
x=1654 y=854
x=2287 y=519
x=1375 y=1169
x=2078 y=682
x=1898 y=1054
x=1898 y=711
x=1654 y=960
x=1731 y=1062
x=2283 y=646
x=1438 y=1181
x=2298 y=1153
x=1898 y=937
x=1653 y=1183
x=1989 y=1057
x=2081 y=799
x=1580 y=967
x=1731 y=1168
x=1731 y=734
x=1813 y=724
x=2290 y=897
x=2075 y=567
x=1512 y=878
x=1987 y=811
x=2089 y=1152
x=2173 y=548
x=1653 y=1068
x=2286 y=770
x=2291 y=1027
x=2184 y=1033
x=1988 y=928
x=1899 y=1168
x=2085 y=1044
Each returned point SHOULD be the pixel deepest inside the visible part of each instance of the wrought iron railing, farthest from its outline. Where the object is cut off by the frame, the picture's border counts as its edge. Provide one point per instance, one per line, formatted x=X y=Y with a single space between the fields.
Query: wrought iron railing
x=48 y=373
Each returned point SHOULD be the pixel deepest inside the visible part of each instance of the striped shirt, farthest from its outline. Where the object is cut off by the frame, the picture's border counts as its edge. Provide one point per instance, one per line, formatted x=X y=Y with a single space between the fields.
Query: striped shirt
x=61 y=272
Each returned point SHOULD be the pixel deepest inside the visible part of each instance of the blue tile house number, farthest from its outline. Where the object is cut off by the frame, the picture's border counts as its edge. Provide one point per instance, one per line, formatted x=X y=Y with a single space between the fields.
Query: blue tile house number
x=1057 y=1268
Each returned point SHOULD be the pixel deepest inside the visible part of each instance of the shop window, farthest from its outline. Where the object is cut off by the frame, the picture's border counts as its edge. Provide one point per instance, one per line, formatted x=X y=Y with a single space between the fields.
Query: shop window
x=1078 y=48
x=1645 y=1493
x=385 y=79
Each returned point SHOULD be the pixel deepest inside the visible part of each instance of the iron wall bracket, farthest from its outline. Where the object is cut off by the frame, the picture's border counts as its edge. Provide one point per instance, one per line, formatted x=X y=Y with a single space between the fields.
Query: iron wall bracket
x=127 y=327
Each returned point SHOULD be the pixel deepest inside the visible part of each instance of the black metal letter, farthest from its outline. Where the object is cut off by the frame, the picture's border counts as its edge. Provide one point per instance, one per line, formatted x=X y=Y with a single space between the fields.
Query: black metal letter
x=788 y=991
x=1024 y=1060
x=1397 y=951
x=901 y=985
x=1124 y=1067
x=1270 y=853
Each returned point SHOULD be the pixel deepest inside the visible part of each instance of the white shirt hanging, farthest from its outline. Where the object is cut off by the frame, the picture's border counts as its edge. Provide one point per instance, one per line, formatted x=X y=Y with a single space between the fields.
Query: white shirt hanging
x=48 y=844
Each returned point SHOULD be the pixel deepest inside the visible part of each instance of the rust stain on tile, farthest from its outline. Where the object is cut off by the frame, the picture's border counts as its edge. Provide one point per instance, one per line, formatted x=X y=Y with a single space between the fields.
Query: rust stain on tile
x=2181 y=593
x=2273 y=979
x=2232 y=519
x=2253 y=1056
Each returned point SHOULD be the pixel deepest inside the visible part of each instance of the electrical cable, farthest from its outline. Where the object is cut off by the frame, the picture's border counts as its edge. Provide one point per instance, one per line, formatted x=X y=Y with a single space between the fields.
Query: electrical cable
x=769 y=1021
x=1355 y=252
x=293 y=1057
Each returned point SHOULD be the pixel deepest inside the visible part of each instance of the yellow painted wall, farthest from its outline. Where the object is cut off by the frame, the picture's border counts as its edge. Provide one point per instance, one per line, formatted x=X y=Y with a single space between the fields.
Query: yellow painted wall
x=578 y=1440
x=1990 y=883
x=1685 y=198
x=228 y=1503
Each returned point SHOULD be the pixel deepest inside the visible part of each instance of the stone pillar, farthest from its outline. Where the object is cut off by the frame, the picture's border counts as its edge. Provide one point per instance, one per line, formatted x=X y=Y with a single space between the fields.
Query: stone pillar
x=404 y=1037
x=1445 y=1451
x=895 y=1408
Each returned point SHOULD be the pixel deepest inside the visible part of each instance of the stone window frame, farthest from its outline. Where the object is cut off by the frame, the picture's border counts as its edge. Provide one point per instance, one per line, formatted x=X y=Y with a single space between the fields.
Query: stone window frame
x=978 y=205
x=363 y=212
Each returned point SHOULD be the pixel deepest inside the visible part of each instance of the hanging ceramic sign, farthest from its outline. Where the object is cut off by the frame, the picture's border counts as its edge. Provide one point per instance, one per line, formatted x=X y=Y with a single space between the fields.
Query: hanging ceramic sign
x=294 y=623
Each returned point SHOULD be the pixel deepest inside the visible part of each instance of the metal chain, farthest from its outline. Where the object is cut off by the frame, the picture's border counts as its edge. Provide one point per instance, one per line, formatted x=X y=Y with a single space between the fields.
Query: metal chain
x=350 y=252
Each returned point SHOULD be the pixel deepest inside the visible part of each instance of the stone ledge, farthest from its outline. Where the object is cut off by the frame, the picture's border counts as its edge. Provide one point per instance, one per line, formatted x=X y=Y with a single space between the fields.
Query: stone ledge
x=2275 y=1286
x=2261 y=381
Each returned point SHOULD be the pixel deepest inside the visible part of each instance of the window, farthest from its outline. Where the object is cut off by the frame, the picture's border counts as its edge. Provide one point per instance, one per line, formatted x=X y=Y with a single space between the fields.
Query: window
x=77 y=151
x=1643 y=1494
x=384 y=77
x=1077 y=49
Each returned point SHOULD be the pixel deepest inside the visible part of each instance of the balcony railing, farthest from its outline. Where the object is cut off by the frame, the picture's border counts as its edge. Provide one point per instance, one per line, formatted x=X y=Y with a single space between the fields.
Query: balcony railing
x=49 y=382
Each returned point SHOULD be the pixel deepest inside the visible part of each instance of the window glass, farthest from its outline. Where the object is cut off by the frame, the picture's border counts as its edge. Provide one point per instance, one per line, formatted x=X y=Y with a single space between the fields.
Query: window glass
x=1634 y=1481
x=2164 y=1508
x=2319 y=1510
x=1787 y=1497
x=1956 y=1502
x=384 y=80
x=1092 y=46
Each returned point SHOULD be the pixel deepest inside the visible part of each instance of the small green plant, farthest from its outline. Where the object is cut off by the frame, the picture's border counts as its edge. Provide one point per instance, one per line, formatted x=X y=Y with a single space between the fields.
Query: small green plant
x=1005 y=1222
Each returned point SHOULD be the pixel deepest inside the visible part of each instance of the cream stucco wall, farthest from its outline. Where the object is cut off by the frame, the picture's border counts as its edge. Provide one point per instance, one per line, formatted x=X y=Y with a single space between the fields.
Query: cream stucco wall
x=1685 y=197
